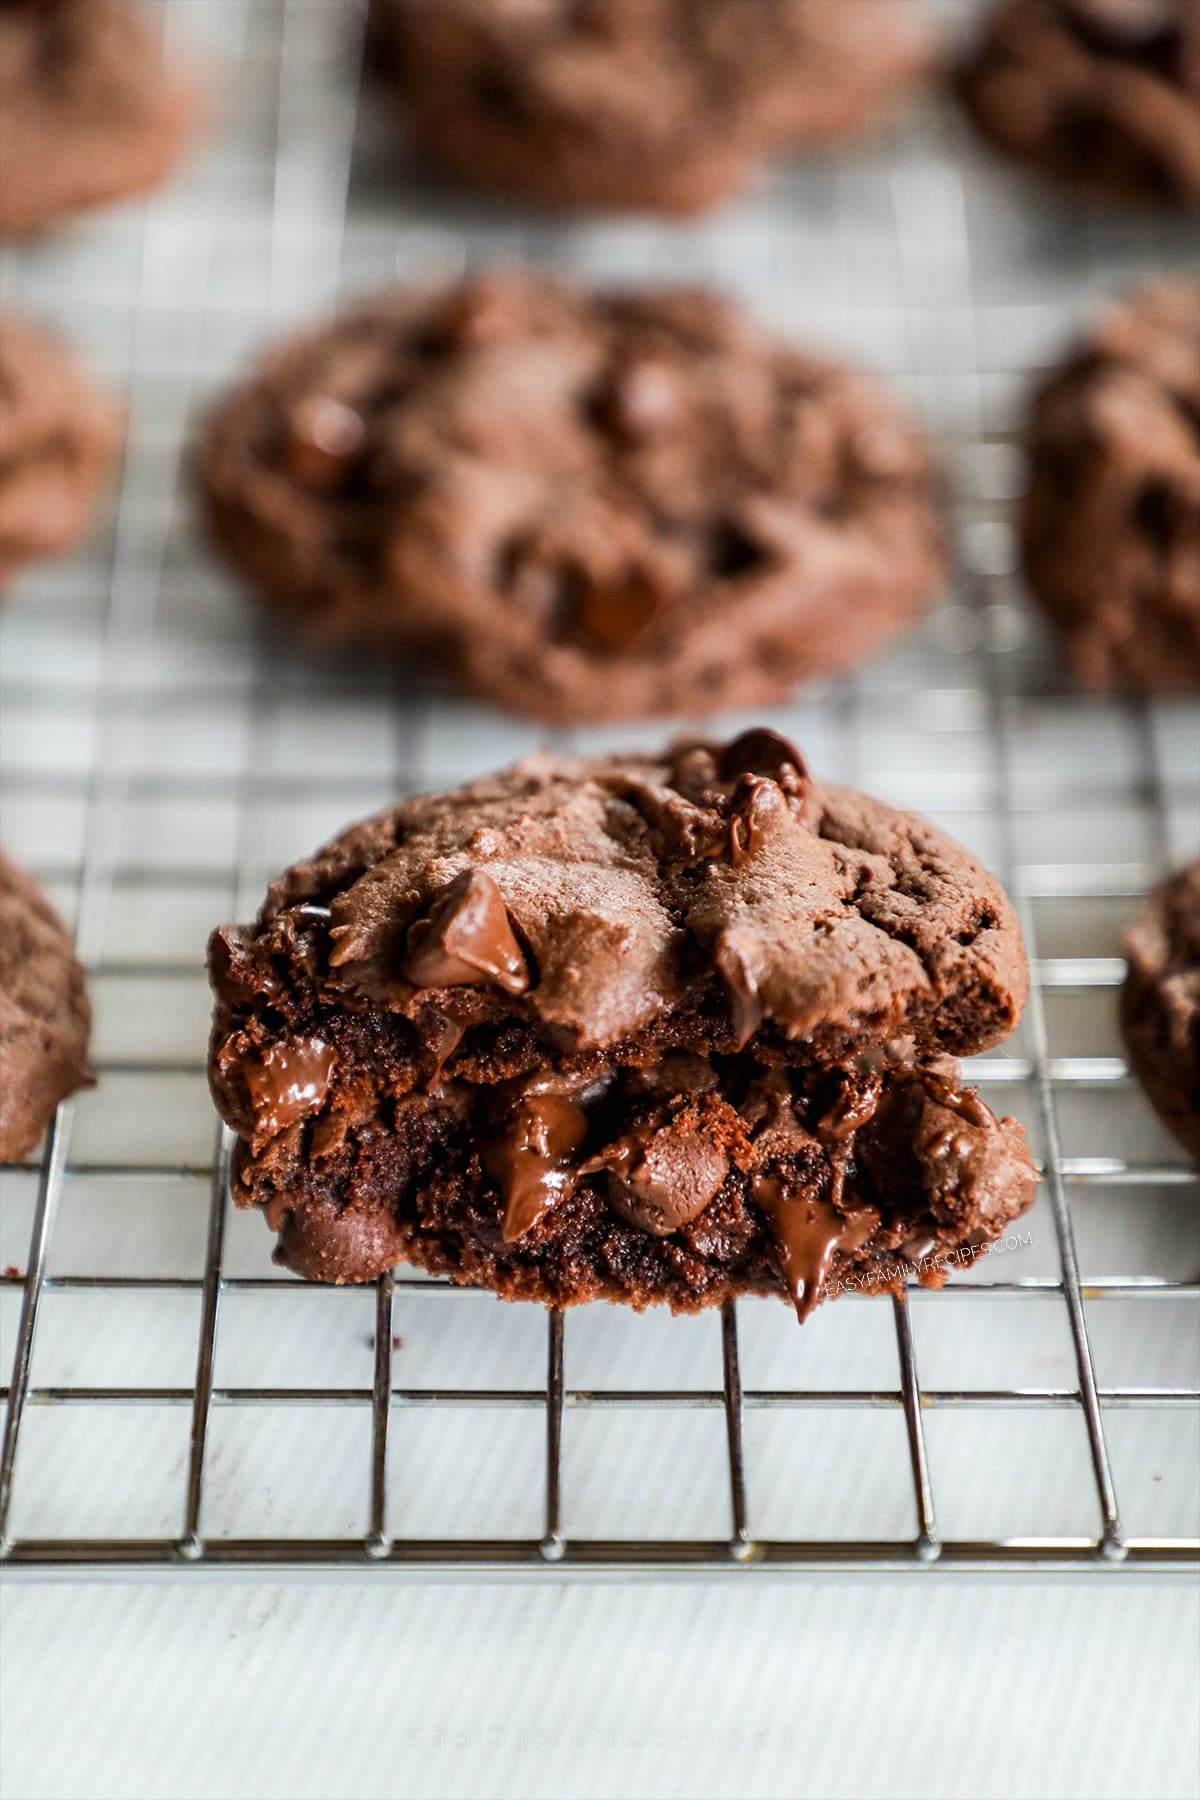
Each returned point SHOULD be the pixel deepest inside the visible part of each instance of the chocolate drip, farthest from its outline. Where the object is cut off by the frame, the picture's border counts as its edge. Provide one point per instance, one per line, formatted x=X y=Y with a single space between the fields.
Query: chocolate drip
x=443 y=1036
x=288 y=1082
x=741 y=987
x=807 y=1231
x=466 y=940
x=531 y=1160
x=963 y=1101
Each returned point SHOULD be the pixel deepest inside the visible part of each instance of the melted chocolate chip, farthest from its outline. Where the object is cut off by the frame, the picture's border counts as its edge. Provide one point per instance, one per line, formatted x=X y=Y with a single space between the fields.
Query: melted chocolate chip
x=964 y=1102
x=465 y=940
x=807 y=1231
x=442 y=1036
x=736 y=969
x=288 y=1082
x=762 y=752
x=855 y=1105
x=532 y=1159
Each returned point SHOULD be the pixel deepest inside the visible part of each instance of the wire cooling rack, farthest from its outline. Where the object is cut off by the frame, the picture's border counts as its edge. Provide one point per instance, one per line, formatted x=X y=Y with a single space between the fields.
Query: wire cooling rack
x=175 y=1403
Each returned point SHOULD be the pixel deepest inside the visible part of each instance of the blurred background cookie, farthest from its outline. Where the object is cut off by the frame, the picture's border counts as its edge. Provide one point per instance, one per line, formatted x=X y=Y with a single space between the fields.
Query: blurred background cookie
x=87 y=112
x=1111 y=522
x=579 y=504
x=59 y=435
x=1160 y=1004
x=1105 y=93
x=44 y=1014
x=664 y=105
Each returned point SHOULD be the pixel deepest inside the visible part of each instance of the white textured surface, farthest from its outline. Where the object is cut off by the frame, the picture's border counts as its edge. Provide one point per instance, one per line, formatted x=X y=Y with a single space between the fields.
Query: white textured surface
x=804 y=1691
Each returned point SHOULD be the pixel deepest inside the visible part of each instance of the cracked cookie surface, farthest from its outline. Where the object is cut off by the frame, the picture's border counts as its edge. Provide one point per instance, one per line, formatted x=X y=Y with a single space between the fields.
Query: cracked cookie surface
x=652 y=1029
x=581 y=505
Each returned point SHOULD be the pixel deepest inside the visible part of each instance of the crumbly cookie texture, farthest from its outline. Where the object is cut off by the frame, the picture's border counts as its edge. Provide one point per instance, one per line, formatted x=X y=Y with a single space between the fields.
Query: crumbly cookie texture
x=644 y=1028
x=579 y=504
x=1104 y=94
x=660 y=105
x=88 y=115
x=44 y=1014
x=59 y=435
x=1111 y=524
x=1160 y=1004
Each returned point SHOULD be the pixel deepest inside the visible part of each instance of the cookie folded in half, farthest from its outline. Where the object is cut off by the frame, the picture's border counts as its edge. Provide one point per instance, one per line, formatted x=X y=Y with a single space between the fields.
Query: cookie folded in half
x=658 y=105
x=579 y=504
x=1111 y=521
x=1160 y=1004
x=1101 y=93
x=45 y=1018
x=88 y=115
x=645 y=1029
x=59 y=433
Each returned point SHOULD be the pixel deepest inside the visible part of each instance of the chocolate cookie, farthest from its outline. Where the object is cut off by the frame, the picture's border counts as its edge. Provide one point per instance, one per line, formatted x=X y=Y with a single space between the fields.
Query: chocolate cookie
x=1103 y=93
x=44 y=1014
x=581 y=505
x=1111 y=524
x=664 y=105
x=87 y=114
x=1160 y=1004
x=647 y=1029
x=59 y=434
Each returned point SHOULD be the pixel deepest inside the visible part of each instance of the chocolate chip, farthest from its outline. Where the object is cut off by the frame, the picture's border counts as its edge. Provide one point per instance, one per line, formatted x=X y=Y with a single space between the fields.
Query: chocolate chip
x=323 y=437
x=762 y=752
x=733 y=552
x=640 y=400
x=613 y=615
x=531 y=1158
x=287 y=1082
x=1119 y=26
x=466 y=940
x=662 y=1179
x=1154 y=511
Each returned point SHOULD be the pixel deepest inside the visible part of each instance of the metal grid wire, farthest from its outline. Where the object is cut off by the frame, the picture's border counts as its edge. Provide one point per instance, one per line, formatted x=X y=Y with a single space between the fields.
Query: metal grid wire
x=175 y=1405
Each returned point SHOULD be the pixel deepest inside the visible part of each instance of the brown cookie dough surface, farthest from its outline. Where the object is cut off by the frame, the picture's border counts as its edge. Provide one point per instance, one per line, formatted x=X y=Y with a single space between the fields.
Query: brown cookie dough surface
x=59 y=434
x=648 y=1029
x=44 y=1014
x=664 y=105
x=1102 y=93
x=87 y=113
x=579 y=504
x=1111 y=525
x=1160 y=1004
